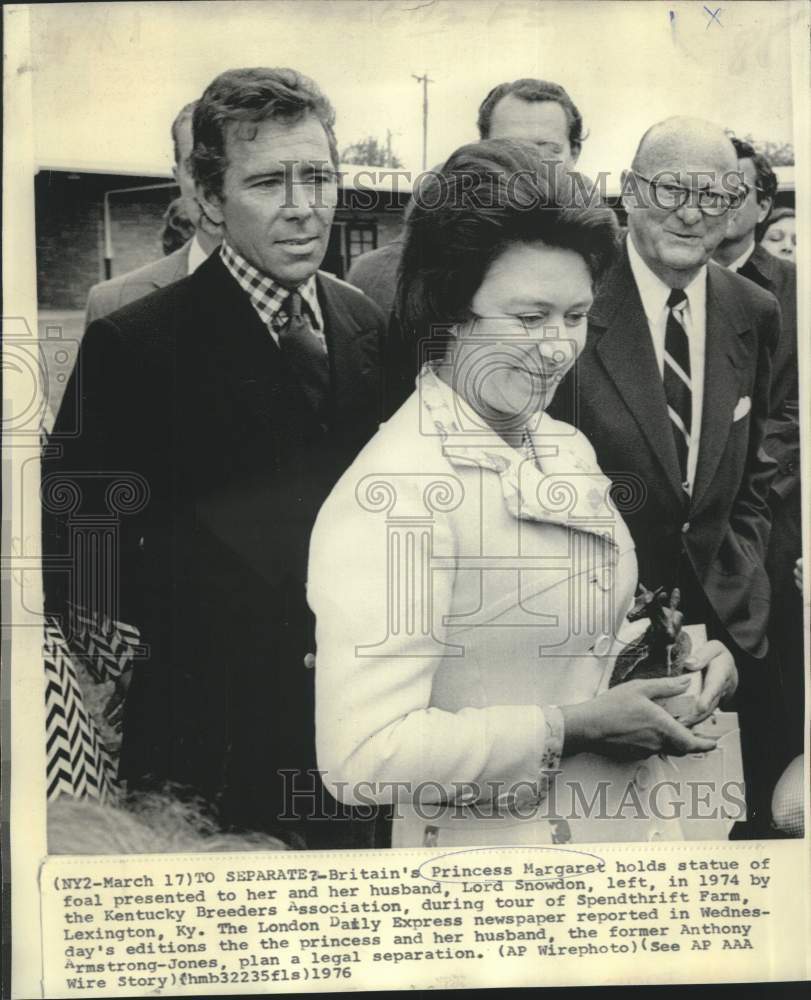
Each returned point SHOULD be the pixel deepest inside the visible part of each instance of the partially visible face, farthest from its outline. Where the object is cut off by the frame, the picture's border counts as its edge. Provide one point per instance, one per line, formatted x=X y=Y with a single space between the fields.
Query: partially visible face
x=780 y=238
x=279 y=196
x=529 y=326
x=676 y=242
x=181 y=170
x=741 y=222
x=542 y=123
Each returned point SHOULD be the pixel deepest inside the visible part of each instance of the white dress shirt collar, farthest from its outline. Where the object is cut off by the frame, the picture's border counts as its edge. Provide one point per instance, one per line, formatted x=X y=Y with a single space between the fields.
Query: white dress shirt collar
x=196 y=255
x=736 y=265
x=655 y=293
x=269 y=298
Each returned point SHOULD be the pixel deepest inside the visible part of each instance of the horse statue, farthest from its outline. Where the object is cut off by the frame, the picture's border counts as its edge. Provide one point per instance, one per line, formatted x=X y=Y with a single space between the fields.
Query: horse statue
x=663 y=647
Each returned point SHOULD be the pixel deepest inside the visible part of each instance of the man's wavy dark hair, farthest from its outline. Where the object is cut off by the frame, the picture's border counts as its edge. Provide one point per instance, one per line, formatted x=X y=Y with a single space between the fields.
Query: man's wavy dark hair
x=249 y=97
x=766 y=178
x=487 y=197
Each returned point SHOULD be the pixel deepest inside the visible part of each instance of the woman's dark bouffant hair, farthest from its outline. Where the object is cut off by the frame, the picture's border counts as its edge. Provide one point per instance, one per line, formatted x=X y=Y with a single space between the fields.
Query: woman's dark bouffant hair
x=487 y=197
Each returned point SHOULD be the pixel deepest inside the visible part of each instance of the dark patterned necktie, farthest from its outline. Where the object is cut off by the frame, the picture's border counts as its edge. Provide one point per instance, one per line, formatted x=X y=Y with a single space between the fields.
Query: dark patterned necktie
x=678 y=388
x=305 y=353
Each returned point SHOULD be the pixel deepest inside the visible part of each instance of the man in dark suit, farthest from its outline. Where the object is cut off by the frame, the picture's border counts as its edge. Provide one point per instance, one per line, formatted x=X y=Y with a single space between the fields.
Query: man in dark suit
x=375 y=272
x=232 y=400
x=741 y=252
x=672 y=390
x=107 y=296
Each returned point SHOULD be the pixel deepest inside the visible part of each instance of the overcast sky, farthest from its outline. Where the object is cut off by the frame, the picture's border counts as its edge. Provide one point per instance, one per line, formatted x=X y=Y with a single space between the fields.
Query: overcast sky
x=108 y=78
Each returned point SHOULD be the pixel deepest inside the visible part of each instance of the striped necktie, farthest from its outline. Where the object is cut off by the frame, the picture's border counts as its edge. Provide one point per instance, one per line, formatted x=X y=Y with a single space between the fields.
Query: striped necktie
x=678 y=389
x=305 y=353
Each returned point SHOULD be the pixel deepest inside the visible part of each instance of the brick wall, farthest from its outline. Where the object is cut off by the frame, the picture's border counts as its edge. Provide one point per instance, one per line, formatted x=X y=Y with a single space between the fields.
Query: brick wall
x=70 y=232
x=136 y=226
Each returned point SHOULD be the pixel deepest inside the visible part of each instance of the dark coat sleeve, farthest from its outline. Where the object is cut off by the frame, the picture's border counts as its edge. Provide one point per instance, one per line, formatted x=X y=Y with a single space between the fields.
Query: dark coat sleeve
x=92 y=490
x=782 y=440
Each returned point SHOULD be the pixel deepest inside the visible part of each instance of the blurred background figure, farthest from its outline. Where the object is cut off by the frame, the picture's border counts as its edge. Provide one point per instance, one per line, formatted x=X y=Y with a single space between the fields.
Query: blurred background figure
x=375 y=272
x=780 y=235
x=739 y=245
x=178 y=227
x=184 y=258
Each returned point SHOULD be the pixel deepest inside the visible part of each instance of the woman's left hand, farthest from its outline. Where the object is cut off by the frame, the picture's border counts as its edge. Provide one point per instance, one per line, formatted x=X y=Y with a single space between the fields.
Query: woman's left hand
x=720 y=680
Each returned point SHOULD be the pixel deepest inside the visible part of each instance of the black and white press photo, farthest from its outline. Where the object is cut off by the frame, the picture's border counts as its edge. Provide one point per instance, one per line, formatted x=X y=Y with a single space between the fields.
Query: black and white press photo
x=408 y=407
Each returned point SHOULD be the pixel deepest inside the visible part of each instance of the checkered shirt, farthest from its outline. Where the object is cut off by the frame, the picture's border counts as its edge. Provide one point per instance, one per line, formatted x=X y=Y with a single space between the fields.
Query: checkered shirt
x=268 y=296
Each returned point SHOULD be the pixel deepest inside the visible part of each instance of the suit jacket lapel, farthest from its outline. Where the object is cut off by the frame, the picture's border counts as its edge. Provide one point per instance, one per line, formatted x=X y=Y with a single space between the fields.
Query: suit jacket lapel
x=625 y=349
x=172 y=268
x=181 y=259
x=723 y=358
x=763 y=265
x=239 y=344
x=249 y=358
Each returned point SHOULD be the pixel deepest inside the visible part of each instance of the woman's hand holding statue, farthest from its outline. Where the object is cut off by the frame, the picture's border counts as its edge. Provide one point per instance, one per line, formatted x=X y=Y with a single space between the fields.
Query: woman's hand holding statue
x=720 y=679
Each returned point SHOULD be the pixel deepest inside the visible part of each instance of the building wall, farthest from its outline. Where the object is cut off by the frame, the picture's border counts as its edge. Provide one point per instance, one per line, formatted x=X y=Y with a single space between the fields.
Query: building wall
x=70 y=232
x=67 y=230
x=136 y=223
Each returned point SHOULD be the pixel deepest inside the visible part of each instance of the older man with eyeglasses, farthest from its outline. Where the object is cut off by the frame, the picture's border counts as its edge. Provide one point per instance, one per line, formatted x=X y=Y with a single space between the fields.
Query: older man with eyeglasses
x=672 y=390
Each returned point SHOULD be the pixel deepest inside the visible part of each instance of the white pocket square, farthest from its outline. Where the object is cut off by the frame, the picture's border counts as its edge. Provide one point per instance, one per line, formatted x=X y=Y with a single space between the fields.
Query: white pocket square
x=744 y=405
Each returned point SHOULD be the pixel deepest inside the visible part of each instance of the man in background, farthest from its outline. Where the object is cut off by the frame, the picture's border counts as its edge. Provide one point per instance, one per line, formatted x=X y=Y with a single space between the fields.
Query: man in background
x=375 y=272
x=779 y=234
x=740 y=252
x=178 y=228
x=107 y=296
x=535 y=111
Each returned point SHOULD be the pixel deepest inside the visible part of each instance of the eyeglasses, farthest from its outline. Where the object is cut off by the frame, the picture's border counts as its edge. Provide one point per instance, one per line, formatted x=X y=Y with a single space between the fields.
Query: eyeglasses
x=712 y=203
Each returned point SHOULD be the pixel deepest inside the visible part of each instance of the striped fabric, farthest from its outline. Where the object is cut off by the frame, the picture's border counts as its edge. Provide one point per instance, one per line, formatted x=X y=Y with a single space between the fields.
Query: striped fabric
x=85 y=681
x=106 y=648
x=678 y=388
x=77 y=763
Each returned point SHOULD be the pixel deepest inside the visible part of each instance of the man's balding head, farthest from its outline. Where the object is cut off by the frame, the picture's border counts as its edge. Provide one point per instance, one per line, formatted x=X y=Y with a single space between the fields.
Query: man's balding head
x=680 y=141
x=680 y=159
